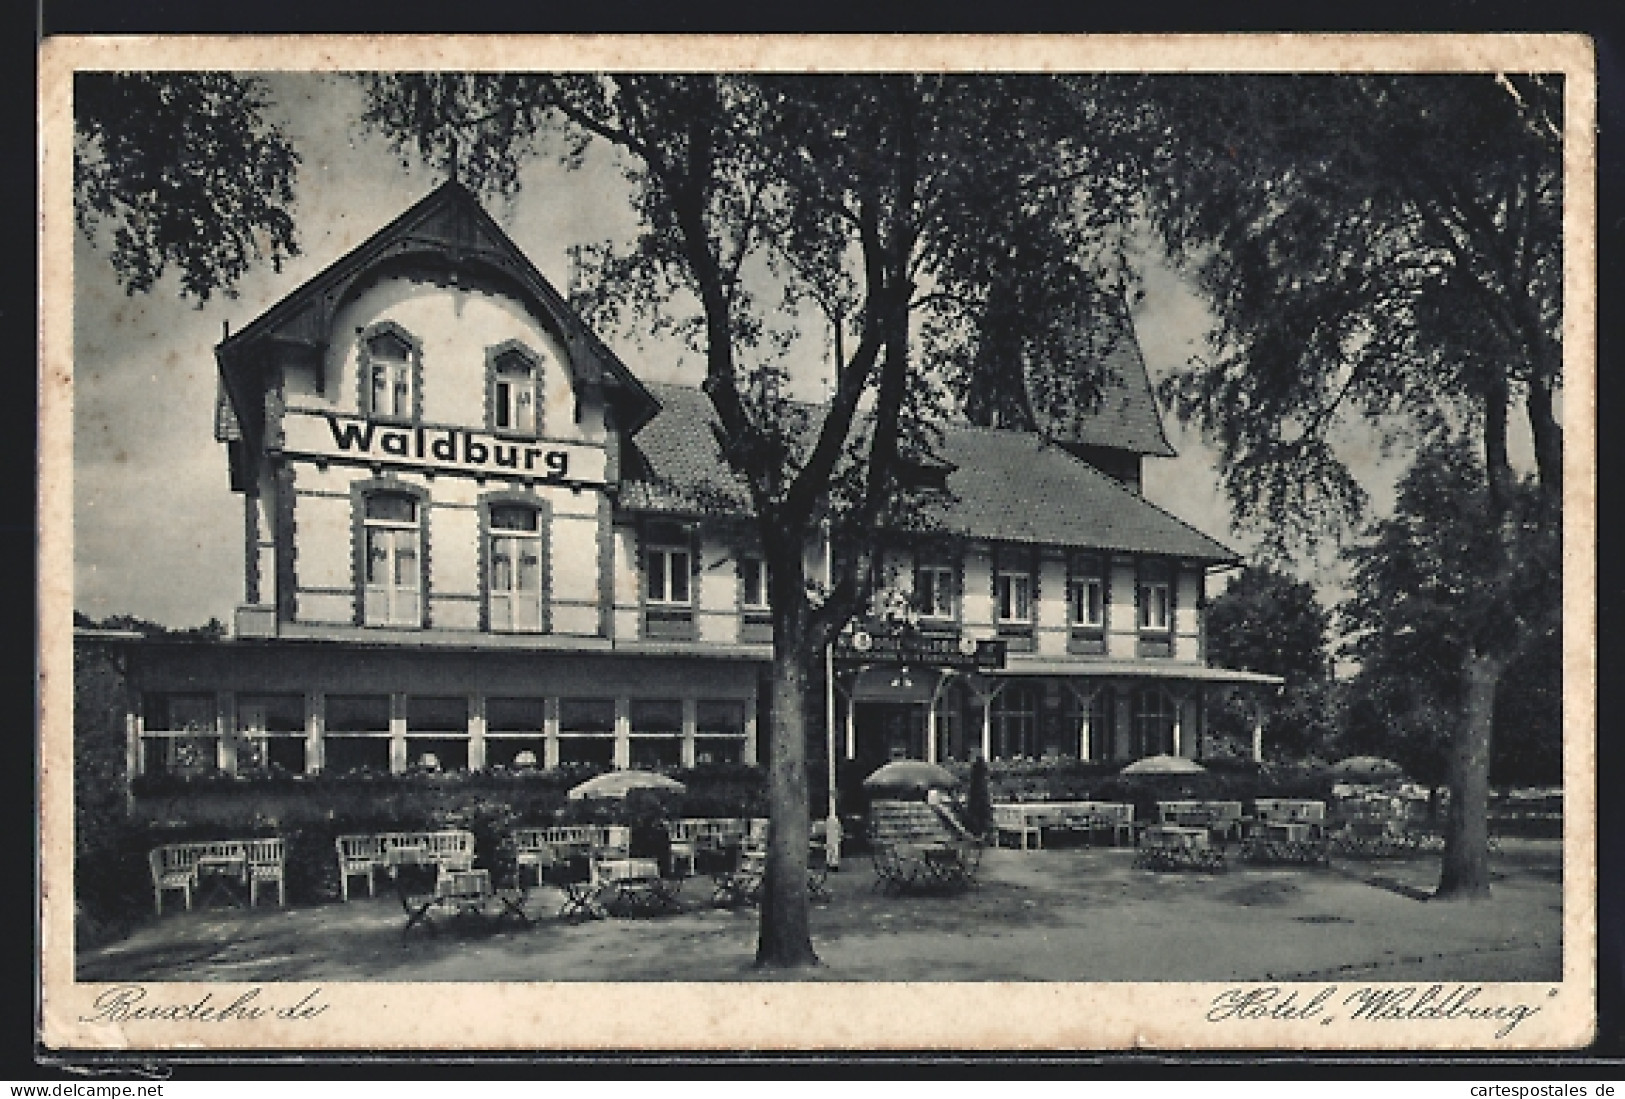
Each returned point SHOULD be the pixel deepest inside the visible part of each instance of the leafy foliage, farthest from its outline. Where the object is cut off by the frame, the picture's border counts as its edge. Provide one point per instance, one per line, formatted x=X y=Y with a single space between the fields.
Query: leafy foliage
x=189 y=172
x=1265 y=621
x=1386 y=247
x=1418 y=612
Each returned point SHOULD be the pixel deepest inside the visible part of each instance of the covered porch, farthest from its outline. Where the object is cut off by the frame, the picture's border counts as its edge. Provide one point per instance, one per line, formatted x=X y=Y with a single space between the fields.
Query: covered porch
x=1032 y=709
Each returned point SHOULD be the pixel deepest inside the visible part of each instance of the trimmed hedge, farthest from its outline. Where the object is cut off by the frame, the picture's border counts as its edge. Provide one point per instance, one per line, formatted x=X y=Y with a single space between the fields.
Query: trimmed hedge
x=114 y=886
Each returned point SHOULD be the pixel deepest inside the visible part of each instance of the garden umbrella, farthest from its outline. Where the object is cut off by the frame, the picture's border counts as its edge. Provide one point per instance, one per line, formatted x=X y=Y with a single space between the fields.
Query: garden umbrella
x=1369 y=767
x=911 y=774
x=1164 y=765
x=617 y=784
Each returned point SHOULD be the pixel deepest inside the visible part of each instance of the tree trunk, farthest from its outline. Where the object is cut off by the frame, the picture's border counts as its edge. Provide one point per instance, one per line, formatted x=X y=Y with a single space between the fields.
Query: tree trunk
x=784 y=939
x=1465 y=870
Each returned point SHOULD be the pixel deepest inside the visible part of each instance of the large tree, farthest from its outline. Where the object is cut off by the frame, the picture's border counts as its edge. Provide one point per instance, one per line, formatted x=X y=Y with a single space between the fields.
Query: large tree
x=903 y=207
x=184 y=170
x=1385 y=250
x=1416 y=610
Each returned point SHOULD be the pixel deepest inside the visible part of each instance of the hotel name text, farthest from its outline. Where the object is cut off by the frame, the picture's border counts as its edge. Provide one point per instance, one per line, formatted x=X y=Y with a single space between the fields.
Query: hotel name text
x=353 y=439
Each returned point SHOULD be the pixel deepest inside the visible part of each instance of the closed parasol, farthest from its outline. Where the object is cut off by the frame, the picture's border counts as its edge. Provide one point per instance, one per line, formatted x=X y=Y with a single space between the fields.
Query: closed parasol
x=617 y=784
x=911 y=774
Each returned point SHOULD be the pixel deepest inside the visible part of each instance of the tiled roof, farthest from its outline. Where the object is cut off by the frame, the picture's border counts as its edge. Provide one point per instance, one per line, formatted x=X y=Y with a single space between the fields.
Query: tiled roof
x=1014 y=486
x=1005 y=485
x=1127 y=417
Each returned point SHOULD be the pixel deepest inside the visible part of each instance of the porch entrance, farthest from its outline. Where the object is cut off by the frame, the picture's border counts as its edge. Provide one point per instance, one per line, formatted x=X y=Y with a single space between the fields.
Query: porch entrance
x=885 y=731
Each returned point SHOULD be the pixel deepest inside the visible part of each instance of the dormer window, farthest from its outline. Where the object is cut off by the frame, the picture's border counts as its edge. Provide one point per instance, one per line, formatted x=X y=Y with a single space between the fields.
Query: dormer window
x=515 y=392
x=390 y=370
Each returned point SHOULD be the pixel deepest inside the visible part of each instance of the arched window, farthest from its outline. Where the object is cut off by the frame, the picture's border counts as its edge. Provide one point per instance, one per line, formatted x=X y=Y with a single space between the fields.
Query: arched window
x=515 y=392
x=1153 y=722
x=390 y=371
x=392 y=560
x=1015 y=723
x=516 y=563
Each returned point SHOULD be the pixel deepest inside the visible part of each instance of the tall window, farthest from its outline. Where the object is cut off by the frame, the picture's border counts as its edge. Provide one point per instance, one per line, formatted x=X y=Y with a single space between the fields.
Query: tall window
x=515 y=393
x=668 y=573
x=1154 y=596
x=1015 y=723
x=393 y=563
x=753 y=584
x=934 y=591
x=390 y=370
x=514 y=589
x=1153 y=722
x=1086 y=593
x=1013 y=595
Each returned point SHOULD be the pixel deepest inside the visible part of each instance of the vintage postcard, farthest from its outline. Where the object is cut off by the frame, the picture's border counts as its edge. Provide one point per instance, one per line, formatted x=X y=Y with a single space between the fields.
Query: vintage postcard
x=1011 y=543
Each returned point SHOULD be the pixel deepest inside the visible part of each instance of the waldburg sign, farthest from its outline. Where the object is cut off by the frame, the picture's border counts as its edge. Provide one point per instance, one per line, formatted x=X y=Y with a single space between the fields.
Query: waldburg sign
x=358 y=440
x=938 y=650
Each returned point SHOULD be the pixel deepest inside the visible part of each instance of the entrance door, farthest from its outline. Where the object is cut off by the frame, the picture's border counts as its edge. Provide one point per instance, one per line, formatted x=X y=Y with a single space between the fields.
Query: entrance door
x=888 y=731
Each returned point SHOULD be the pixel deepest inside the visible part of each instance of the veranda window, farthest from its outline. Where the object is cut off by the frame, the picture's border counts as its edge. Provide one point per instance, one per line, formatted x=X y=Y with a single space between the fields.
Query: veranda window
x=657 y=733
x=719 y=732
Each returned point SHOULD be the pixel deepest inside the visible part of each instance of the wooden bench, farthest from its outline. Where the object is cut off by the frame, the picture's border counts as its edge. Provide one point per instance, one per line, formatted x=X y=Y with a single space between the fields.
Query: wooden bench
x=536 y=849
x=1028 y=822
x=1017 y=822
x=916 y=845
x=174 y=867
x=1221 y=818
x=363 y=855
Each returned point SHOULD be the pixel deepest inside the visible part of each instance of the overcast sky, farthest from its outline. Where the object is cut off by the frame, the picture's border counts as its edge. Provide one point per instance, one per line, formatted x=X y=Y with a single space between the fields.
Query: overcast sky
x=158 y=532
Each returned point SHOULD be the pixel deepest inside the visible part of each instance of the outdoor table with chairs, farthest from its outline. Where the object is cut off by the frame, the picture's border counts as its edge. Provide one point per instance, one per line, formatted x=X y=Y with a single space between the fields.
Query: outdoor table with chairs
x=1286 y=830
x=1178 y=847
x=635 y=887
x=429 y=891
x=218 y=872
x=918 y=846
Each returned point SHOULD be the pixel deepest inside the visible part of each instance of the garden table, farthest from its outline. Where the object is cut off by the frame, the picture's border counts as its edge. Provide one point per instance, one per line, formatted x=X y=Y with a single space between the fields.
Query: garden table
x=634 y=887
x=1285 y=841
x=222 y=879
x=1177 y=847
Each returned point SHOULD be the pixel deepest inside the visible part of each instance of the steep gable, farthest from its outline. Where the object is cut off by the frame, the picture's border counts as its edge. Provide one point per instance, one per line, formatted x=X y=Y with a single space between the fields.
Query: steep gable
x=450 y=229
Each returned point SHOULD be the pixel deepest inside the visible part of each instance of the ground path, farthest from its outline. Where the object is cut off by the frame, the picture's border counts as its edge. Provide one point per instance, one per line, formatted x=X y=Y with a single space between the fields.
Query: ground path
x=1060 y=915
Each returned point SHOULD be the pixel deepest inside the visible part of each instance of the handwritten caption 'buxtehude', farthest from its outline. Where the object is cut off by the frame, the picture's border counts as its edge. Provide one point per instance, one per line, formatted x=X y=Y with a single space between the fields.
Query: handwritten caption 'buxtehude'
x=1371 y=1004
x=133 y=1003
